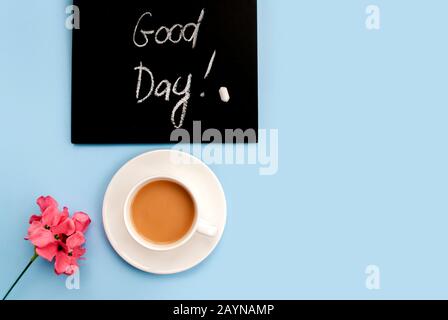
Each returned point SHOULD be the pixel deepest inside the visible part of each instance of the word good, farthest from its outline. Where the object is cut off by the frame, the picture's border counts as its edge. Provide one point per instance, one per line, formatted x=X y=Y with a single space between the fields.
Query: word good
x=174 y=34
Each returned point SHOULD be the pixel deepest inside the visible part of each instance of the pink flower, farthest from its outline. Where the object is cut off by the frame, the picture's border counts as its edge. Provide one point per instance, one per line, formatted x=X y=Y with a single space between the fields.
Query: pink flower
x=45 y=202
x=52 y=221
x=82 y=221
x=50 y=231
x=60 y=232
x=45 y=232
x=54 y=234
x=69 y=253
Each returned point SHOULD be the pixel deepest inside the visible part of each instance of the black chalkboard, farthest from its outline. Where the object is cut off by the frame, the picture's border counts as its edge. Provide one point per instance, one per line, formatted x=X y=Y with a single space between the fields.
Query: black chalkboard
x=172 y=42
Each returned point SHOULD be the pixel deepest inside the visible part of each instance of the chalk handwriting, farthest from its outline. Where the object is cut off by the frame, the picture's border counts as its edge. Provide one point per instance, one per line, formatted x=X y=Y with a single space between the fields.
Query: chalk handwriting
x=166 y=90
x=174 y=34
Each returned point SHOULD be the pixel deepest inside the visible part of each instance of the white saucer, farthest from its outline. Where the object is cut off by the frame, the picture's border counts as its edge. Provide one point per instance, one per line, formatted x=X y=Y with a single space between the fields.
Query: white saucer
x=200 y=179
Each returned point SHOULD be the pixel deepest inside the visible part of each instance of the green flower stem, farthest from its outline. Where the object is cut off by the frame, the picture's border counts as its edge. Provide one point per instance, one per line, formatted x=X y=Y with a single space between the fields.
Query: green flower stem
x=21 y=275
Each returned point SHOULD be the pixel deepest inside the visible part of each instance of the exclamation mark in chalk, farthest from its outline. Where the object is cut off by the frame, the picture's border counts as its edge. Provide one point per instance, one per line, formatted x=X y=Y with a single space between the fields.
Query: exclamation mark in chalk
x=223 y=92
x=209 y=68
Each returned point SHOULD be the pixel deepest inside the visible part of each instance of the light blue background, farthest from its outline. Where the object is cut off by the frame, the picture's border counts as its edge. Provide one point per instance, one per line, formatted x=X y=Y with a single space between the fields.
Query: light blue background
x=362 y=118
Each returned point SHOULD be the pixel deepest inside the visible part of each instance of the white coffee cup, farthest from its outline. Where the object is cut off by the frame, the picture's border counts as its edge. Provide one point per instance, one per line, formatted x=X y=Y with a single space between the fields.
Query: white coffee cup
x=199 y=224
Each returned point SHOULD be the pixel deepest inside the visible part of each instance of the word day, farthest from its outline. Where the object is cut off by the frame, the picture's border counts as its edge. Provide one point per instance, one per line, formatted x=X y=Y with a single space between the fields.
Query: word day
x=165 y=89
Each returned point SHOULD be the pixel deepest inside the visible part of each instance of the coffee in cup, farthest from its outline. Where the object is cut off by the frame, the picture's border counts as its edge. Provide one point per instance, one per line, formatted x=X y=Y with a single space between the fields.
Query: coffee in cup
x=161 y=213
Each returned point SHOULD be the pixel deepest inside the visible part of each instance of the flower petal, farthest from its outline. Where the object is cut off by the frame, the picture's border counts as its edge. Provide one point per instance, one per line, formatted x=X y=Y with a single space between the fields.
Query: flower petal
x=64 y=214
x=35 y=218
x=34 y=226
x=82 y=221
x=75 y=240
x=78 y=252
x=48 y=252
x=51 y=216
x=62 y=262
x=41 y=237
x=66 y=227
x=45 y=202
x=65 y=264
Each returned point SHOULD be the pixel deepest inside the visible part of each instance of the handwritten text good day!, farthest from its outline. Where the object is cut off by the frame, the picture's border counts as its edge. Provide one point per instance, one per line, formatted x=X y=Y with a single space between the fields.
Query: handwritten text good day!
x=165 y=89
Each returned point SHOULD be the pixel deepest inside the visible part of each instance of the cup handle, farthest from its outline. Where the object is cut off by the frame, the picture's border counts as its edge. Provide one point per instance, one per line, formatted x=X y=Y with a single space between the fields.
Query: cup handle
x=206 y=229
